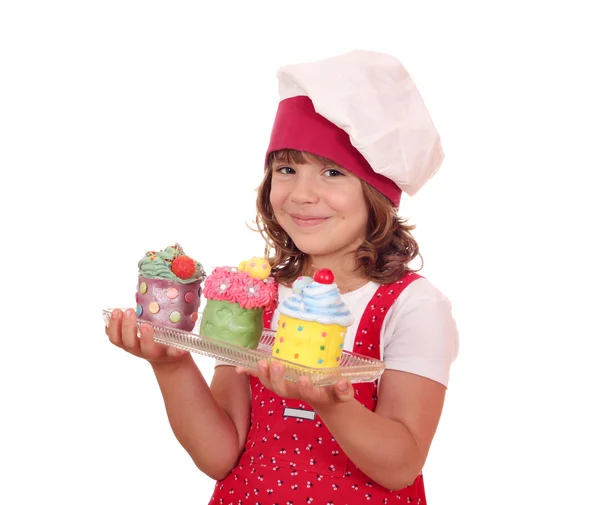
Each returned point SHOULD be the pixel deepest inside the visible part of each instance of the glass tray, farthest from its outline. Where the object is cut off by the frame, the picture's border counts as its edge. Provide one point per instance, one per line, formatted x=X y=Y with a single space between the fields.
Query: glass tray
x=354 y=367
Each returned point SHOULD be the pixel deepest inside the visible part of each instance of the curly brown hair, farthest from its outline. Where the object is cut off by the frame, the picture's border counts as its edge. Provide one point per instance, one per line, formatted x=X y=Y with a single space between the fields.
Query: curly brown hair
x=384 y=255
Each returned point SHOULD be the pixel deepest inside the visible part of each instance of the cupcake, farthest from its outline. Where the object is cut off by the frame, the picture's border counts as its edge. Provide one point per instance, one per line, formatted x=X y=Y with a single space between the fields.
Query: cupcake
x=236 y=299
x=169 y=288
x=313 y=323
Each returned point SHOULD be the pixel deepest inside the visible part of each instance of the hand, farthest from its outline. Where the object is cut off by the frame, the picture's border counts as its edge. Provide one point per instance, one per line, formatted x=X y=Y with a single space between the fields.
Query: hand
x=320 y=397
x=122 y=331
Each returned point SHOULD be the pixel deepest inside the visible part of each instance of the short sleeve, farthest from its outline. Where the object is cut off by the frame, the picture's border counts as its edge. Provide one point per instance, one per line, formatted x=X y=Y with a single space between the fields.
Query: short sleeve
x=420 y=335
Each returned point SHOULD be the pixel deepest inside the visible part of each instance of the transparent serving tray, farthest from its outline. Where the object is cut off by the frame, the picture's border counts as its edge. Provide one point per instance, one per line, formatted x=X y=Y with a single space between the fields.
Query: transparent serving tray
x=354 y=367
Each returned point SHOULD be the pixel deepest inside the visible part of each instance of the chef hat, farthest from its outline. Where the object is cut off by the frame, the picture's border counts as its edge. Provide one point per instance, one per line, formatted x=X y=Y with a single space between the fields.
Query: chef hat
x=363 y=111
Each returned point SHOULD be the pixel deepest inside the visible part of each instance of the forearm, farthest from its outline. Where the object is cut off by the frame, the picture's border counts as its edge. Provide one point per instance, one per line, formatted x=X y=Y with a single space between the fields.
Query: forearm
x=382 y=448
x=201 y=426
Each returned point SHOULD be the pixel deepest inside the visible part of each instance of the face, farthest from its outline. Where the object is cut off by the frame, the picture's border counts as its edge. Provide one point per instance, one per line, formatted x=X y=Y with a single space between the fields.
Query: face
x=322 y=208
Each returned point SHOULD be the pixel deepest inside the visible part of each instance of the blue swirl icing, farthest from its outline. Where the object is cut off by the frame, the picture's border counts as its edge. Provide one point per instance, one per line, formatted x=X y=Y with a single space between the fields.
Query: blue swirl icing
x=318 y=302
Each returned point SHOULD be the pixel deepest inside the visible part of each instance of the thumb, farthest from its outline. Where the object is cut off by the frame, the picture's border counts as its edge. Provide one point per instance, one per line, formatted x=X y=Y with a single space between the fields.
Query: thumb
x=344 y=391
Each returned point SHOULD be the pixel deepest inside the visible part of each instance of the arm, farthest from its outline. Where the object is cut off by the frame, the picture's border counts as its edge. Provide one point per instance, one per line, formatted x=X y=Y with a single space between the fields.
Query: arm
x=420 y=342
x=210 y=423
x=391 y=444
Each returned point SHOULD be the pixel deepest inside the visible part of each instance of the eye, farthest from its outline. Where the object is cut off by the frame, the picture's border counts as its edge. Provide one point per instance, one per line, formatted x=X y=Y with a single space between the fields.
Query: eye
x=285 y=170
x=332 y=172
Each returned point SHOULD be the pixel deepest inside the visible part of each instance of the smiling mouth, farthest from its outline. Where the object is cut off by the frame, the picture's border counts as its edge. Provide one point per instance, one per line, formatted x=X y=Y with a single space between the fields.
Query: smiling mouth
x=306 y=222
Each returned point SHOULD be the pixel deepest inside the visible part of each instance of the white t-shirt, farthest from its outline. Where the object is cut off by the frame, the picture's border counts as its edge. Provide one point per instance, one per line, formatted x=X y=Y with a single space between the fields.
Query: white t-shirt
x=419 y=334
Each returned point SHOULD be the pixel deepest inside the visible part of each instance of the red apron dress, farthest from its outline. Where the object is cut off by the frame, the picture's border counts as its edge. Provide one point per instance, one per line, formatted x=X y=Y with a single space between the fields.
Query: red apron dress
x=290 y=456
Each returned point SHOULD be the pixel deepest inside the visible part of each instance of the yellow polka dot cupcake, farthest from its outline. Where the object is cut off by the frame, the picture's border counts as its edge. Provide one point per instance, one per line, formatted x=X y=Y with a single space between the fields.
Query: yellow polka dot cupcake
x=169 y=288
x=313 y=323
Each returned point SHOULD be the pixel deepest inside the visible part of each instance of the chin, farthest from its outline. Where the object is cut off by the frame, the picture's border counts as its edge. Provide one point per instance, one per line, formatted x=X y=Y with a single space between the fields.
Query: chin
x=314 y=247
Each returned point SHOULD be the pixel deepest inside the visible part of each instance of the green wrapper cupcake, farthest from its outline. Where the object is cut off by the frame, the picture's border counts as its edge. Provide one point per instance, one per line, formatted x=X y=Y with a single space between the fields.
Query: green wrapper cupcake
x=236 y=299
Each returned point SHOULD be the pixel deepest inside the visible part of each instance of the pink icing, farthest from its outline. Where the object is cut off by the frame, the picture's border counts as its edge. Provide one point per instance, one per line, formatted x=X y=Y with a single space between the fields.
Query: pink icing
x=231 y=285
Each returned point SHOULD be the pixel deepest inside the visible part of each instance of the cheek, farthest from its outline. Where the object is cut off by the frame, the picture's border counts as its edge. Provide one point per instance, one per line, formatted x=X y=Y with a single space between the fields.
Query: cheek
x=349 y=204
x=277 y=198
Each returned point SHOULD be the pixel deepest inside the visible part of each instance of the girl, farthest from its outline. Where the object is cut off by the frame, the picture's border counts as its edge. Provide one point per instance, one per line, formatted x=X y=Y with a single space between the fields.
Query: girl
x=350 y=134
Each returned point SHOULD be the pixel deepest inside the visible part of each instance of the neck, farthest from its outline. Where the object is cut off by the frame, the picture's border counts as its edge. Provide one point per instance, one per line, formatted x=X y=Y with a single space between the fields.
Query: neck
x=344 y=268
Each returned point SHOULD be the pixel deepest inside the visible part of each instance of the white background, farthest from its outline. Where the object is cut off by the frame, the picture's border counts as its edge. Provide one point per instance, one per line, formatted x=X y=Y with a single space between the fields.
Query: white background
x=126 y=126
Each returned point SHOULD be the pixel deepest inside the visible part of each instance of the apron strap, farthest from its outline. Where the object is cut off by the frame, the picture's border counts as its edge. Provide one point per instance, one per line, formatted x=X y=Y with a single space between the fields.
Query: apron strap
x=368 y=333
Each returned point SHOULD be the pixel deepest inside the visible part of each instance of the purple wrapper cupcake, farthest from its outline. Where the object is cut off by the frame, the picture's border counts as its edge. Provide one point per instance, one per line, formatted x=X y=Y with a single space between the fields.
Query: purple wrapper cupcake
x=169 y=288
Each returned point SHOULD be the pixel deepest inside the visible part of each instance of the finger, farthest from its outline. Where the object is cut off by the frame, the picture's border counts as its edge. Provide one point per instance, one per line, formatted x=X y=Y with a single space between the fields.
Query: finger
x=246 y=371
x=149 y=349
x=131 y=342
x=175 y=352
x=114 y=328
x=311 y=394
x=344 y=391
x=305 y=388
x=277 y=377
x=264 y=375
x=152 y=350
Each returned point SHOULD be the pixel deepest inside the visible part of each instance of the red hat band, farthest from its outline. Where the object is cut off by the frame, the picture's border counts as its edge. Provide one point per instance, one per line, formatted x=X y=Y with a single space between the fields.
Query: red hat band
x=298 y=126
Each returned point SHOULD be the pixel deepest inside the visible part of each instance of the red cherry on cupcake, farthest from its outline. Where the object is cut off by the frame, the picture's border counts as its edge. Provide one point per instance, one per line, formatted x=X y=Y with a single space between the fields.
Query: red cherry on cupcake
x=324 y=276
x=183 y=267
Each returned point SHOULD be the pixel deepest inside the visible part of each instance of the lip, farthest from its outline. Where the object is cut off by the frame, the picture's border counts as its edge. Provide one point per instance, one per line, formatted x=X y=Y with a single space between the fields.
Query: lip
x=307 y=221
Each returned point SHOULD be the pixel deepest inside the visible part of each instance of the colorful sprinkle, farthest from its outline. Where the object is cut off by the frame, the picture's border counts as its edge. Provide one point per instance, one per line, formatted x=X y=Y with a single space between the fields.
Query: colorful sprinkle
x=154 y=307
x=300 y=328
x=320 y=361
x=324 y=334
x=341 y=346
x=189 y=297
x=277 y=351
x=283 y=325
x=172 y=293
x=139 y=310
x=296 y=355
x=175 y=317
x=322 y=348
x=143 y=288
x=281 y=339
x=342 y=334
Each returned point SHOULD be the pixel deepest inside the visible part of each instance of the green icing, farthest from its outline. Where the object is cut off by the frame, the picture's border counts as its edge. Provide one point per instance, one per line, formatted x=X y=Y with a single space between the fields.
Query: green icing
x=231 y=323
x=158 y=265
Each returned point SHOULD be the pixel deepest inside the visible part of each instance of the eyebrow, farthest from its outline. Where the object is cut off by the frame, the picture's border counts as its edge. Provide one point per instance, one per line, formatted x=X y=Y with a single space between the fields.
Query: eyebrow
x=323 y=164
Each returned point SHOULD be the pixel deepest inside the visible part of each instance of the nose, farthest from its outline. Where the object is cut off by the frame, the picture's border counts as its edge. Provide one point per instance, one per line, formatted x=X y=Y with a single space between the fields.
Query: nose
x=304 y=190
